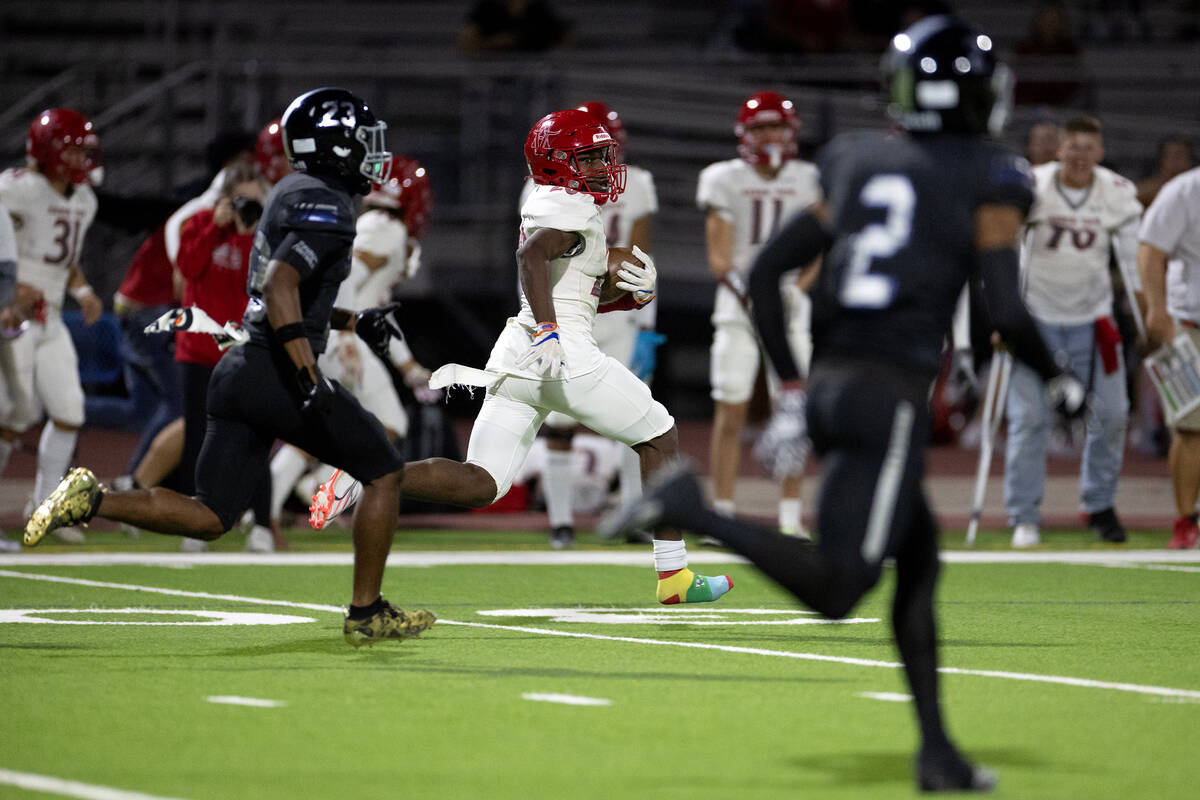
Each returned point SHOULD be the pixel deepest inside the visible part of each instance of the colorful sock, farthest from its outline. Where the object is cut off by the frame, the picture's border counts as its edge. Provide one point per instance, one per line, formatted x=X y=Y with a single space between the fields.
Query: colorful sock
x=55 y=449
x=556 y=483
x=685 y=586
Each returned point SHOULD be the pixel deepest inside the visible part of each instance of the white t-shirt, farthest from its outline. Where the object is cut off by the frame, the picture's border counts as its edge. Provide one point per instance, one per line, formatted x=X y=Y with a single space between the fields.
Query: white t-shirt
x=1172 y=224
x=757 y=207
x=1068 y=241
x=49 y=229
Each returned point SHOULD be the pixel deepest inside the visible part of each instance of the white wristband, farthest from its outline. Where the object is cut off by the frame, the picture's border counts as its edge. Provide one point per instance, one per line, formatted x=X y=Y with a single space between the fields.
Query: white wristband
x=80 y=292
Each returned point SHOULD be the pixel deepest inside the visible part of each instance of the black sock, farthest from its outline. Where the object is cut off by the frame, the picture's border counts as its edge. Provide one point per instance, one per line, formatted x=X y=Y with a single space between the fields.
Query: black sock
x=363 y=612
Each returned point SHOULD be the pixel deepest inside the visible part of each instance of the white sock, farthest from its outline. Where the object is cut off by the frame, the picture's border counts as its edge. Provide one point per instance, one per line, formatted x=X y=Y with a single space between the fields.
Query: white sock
x=723 y=507
x=631 y=475
x=669 y=555
x=6 y=448
x=54 y=456
x=789 y=515
x=556 y=484
x=286 y=468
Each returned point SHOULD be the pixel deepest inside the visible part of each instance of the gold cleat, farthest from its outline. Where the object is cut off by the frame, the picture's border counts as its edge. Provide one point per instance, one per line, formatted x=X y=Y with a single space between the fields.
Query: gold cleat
x=389 y=623
x=72 y=503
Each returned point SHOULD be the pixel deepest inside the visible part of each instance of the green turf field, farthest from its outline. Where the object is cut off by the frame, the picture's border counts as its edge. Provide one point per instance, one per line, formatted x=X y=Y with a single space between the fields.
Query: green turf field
x=1070 y=680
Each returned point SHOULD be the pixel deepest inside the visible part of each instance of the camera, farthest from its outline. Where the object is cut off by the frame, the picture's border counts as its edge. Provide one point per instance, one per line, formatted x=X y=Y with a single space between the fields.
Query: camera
x=247 y=209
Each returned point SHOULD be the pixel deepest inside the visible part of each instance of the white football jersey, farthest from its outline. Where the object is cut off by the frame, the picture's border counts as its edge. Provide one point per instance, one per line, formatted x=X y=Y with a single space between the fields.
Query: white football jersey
x=757 y=207
x=379 y=233
x=1172 y=224
x=575 y=280
x=49 y=229
x=1068 y=241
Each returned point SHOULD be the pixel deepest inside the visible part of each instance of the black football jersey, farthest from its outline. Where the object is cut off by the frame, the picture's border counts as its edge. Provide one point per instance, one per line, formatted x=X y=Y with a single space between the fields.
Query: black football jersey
x=322 y=216
x=902 y=212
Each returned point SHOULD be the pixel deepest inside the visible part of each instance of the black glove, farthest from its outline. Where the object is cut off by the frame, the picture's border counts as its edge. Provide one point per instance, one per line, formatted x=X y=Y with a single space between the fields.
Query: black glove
x=316 y=395
x=378 y=326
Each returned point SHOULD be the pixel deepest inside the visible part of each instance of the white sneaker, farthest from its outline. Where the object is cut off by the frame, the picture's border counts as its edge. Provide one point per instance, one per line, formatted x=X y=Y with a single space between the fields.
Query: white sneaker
x=1026 y=535
x=259 y=540
x=193 y=546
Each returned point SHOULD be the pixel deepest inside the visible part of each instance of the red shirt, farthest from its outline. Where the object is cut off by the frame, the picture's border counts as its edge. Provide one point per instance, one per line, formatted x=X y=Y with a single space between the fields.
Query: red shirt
x=148 y=281
x=214 y=263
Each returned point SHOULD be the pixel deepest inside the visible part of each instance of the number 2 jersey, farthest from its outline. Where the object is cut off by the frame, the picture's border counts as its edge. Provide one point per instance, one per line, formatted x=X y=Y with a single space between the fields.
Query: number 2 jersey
x=49 y=229
x=307 y=222
x=902 y=211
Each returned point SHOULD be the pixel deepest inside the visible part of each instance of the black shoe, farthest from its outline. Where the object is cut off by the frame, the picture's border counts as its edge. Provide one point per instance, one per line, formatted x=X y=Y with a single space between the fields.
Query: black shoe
x=562 y=537
x=1106 y=524
x=951 y=773
x=669 y=496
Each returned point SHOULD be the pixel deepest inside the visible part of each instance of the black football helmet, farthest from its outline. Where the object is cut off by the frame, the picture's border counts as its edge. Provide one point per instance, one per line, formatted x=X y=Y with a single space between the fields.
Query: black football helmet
x=943 y=77
x=332 y=132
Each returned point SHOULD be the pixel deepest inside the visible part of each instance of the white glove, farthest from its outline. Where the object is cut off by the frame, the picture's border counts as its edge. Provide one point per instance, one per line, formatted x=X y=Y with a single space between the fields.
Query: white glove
x=1067 y=395
x=639 y=280
x=783 y=447
x=545 y=355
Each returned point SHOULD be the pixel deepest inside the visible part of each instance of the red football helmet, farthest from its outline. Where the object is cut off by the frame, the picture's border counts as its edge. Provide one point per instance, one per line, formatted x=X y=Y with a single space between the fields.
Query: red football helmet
x=63 y=144
x=408 y=191
x=553 y=148
x=766 y=108
x=269 y=155
x=611 y=122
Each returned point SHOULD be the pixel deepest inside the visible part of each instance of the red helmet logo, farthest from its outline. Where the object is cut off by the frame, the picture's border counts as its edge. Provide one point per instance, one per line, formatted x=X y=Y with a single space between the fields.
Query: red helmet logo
x=63 y=145
x=762 y=109
x=555 y=146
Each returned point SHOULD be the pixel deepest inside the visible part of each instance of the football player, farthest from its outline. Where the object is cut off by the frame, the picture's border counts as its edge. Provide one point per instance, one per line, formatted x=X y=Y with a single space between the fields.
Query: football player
x=1083 y=215
x=907 y=219
x=271 y=388
x=382 y=258
x=628 y=336
x=546 y=359
x=52 y=205
x=746 y=199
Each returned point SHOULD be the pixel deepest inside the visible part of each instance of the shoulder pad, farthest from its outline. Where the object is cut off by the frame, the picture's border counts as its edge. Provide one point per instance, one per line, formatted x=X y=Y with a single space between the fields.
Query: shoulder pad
x=554 y=207
x=318 y=209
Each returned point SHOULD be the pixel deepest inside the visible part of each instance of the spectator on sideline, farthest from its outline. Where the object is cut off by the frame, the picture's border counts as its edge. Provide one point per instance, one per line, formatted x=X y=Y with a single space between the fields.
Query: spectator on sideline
x=1082 y=213
x=1169 y=263
x=1042 y=142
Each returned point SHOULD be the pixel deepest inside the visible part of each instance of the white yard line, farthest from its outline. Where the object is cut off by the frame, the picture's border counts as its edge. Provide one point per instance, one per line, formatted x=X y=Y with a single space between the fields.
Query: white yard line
x=630 y=558
x=254 y=702
x=887 y=697
x=566 y=699
x=1160 y=691
x=88 y=791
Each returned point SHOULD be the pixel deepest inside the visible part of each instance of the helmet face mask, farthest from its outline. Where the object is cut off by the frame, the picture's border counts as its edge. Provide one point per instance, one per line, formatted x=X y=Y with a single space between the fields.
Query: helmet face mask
x=943 y=77
x=63 y=145
x=767 y=128
x=560 y=142
x=332 y=132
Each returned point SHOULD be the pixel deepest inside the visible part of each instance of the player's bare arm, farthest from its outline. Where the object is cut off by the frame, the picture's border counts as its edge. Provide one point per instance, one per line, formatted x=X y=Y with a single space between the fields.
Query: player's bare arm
x=719 y=233
x=89 y=303
x=533 y=264
x=372 y=261
x=1152 y=267
x=281 y=295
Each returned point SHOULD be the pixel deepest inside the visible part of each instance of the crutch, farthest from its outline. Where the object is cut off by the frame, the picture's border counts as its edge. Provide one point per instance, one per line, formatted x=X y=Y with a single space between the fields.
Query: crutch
x=993 y=411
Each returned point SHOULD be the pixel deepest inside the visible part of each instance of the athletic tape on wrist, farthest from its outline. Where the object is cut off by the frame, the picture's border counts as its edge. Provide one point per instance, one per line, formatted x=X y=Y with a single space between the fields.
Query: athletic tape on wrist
x=290 y=331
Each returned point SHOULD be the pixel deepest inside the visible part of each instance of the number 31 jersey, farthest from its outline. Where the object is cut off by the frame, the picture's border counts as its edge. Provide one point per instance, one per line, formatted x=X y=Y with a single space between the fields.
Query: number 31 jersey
x=902 y=211
x=49 y=227
x=756 y=207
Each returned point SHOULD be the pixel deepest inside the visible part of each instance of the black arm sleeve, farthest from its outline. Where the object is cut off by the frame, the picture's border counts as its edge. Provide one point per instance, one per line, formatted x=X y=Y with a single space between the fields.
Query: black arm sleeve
x=997 y=276
x=796 y=245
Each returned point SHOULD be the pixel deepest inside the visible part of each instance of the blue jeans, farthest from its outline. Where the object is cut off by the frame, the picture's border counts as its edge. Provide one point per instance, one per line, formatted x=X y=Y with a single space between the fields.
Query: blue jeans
x=151 y=381
x=1030 y=418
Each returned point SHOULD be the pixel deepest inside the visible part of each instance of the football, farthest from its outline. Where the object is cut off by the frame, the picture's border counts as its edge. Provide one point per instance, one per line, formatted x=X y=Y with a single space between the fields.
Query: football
x=609 y=293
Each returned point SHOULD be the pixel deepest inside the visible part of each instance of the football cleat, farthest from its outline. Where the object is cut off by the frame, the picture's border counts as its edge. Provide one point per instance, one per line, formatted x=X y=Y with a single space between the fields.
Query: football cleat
x=1184 y=533
x=949 y=772
x=332 y=498
x=72 y=503
x=562 y=537
x=389 y=623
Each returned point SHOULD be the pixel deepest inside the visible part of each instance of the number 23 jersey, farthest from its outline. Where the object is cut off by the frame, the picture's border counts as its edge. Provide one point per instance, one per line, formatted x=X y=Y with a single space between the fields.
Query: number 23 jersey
x=902 y=211
x=49 y=228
